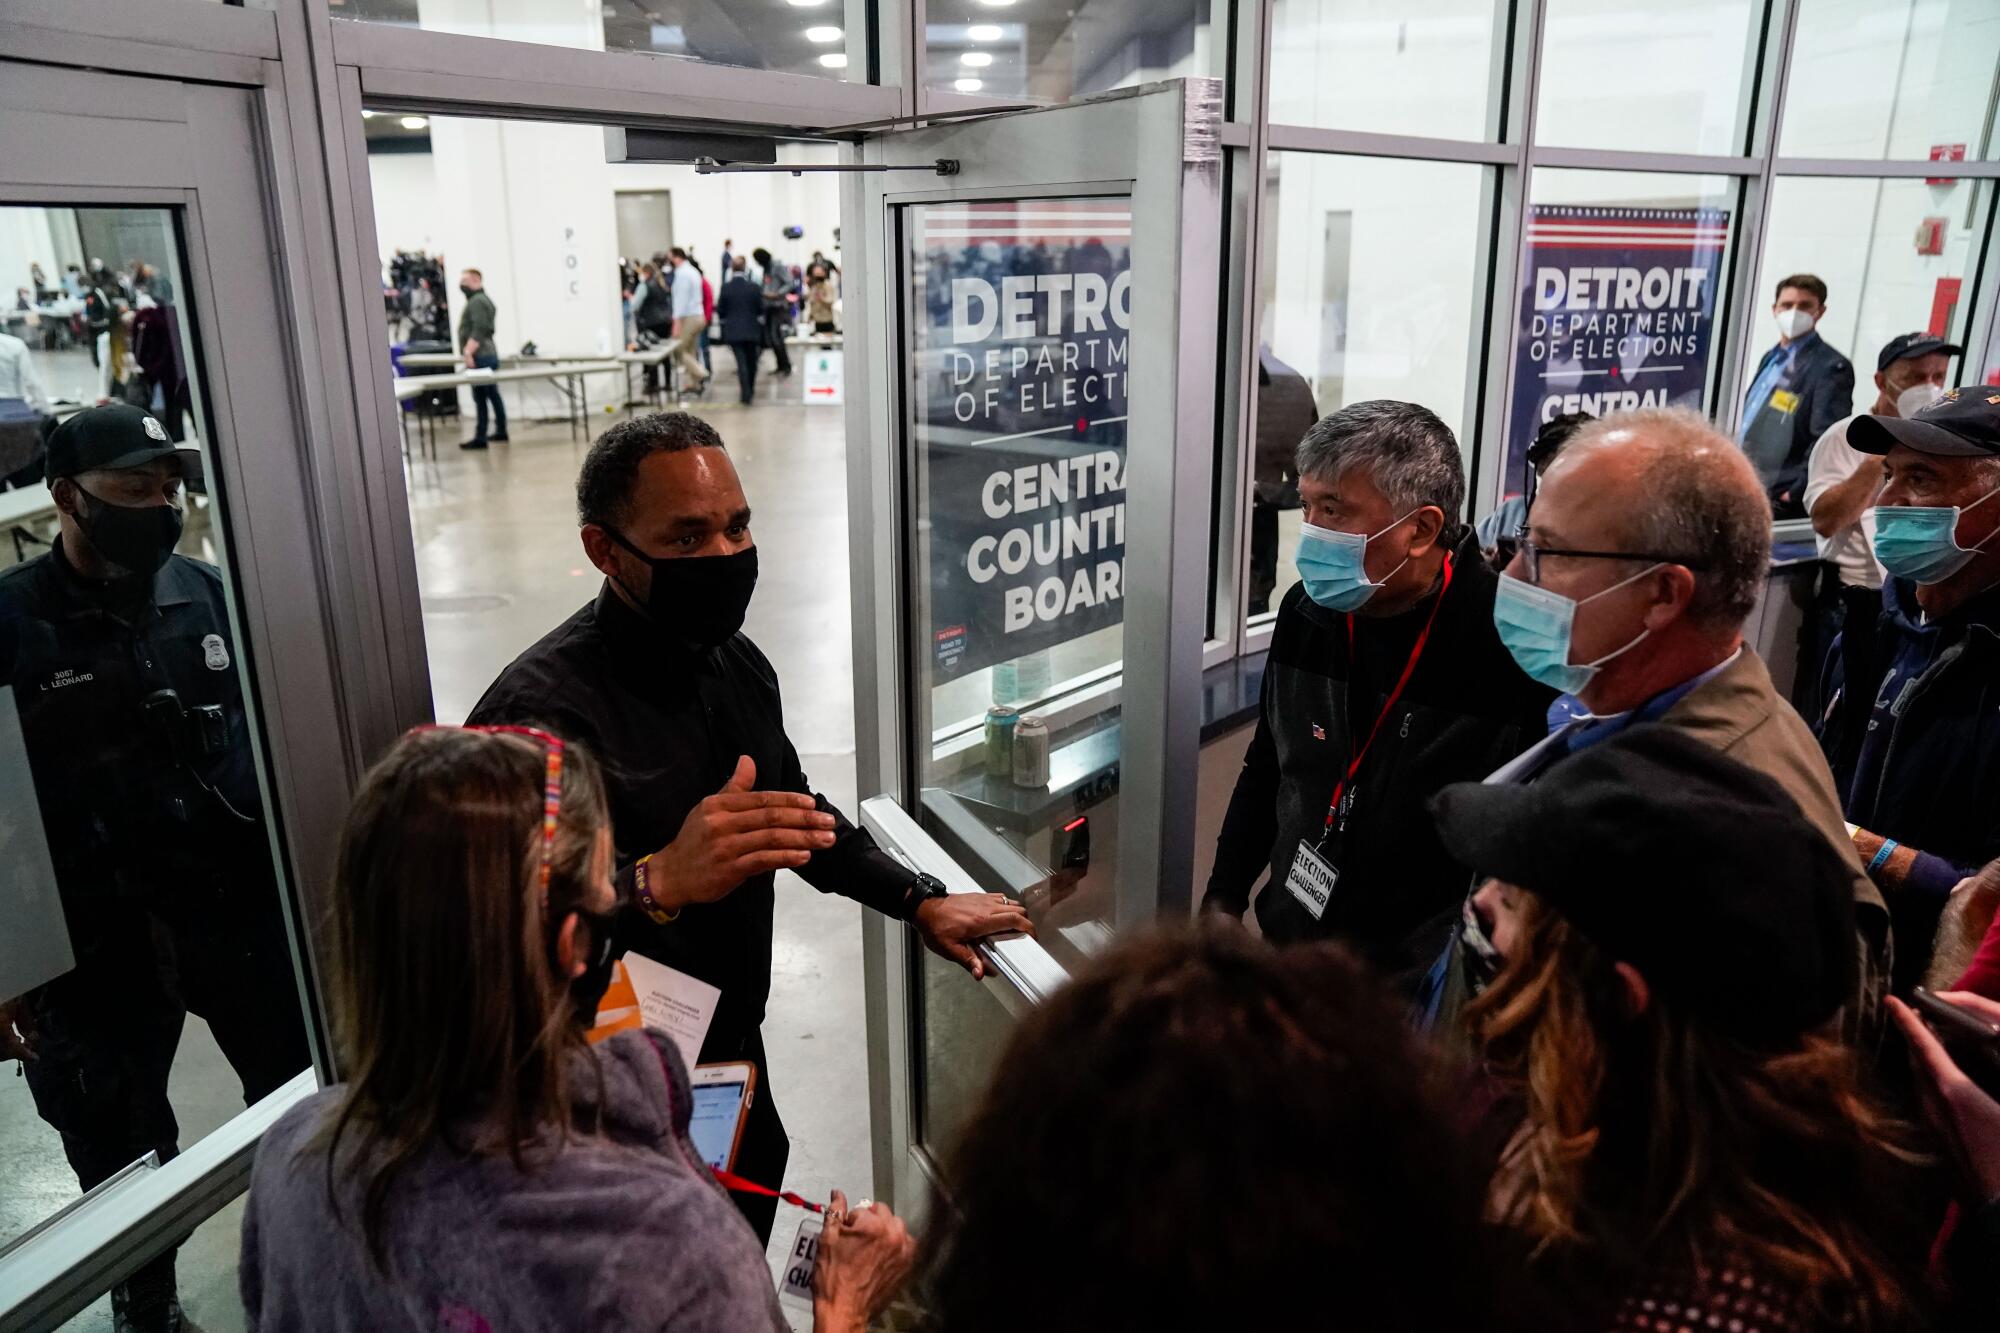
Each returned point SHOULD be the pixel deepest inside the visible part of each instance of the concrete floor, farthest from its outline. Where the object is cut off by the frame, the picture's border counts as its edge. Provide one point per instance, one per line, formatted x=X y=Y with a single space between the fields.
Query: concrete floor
x=499 y=564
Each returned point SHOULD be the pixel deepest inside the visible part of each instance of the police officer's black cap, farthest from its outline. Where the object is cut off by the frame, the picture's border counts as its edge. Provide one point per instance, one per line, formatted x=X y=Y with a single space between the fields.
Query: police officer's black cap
x=1965 y=423
x=113 y=435
x=1906 y=345
x=1695 y=869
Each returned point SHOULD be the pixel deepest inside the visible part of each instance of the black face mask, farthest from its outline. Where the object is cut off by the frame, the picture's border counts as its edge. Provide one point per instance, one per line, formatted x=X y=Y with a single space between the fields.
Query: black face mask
x=139 y=538
x=586 y=989
x=466 y=291
x=700 y=598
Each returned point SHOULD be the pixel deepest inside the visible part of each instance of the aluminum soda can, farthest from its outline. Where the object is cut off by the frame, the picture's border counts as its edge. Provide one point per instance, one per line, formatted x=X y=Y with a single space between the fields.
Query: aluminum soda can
x=1000 y=724
x=1031 y=752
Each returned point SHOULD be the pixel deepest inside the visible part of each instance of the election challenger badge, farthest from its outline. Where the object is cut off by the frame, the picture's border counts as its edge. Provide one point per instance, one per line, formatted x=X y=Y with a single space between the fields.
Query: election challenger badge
x=1311 y=880
x=1784 y=400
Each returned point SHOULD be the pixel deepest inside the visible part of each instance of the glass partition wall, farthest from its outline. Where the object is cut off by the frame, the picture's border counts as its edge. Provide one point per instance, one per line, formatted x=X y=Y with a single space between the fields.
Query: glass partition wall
x=1424 y=183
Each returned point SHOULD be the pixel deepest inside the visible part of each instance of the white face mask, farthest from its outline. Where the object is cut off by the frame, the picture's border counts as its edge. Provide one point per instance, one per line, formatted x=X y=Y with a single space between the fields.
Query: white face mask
x=1917 y=397
x=1794 y=323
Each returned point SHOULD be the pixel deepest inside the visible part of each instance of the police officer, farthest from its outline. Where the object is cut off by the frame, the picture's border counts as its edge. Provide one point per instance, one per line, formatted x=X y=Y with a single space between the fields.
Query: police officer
x=123 y=669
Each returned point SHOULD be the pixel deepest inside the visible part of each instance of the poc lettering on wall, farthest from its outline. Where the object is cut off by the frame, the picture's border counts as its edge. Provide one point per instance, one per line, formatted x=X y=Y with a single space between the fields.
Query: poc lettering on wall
x=1020 y=366
x=1619 y=313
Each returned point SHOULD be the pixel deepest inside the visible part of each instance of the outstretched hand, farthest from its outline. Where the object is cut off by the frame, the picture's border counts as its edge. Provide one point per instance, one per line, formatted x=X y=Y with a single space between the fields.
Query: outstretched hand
x=735 y=835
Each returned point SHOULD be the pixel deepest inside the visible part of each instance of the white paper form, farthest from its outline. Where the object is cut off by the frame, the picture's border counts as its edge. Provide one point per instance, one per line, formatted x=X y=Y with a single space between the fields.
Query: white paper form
x=673 y=1003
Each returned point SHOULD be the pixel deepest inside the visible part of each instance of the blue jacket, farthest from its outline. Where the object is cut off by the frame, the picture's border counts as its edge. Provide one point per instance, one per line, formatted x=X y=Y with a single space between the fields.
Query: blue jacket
x=739 y=309
x=1935 y=785
x=1780 y=441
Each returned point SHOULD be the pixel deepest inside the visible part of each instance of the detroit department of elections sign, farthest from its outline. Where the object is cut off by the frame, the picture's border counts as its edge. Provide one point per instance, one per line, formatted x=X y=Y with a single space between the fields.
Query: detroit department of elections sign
x=1618 y=313
x=1020 y=336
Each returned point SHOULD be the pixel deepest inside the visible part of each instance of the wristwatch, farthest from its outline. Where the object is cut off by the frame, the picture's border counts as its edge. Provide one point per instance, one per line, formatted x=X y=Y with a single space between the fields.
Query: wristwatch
x=922 y=889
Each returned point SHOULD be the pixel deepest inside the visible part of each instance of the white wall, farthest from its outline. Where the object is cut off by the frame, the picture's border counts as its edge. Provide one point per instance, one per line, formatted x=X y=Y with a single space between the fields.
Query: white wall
x=1890 y=78
x=407 y=207
x=25 y=239
x=751 y=208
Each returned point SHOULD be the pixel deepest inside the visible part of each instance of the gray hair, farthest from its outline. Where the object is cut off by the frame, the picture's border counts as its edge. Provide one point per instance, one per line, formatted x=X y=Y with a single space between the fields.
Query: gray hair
x=1411 y=456
x=1698 y=501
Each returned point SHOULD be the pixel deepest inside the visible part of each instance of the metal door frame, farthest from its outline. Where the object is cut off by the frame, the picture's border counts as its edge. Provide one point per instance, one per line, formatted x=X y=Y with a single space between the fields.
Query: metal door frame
x=1158 y=144
x=204 y=151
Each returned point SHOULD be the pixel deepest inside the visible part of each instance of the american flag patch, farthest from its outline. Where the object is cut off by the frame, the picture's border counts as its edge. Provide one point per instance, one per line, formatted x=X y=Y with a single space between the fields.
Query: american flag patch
x=1319 y=732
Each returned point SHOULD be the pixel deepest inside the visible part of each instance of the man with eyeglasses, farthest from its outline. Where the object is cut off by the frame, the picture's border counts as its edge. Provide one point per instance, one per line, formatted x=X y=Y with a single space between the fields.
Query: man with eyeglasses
x=1913 y=734
x=1643 y=557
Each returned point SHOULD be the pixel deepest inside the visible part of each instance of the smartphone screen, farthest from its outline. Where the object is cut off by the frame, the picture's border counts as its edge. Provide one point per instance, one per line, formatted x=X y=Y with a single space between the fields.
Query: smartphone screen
x=712 y=1125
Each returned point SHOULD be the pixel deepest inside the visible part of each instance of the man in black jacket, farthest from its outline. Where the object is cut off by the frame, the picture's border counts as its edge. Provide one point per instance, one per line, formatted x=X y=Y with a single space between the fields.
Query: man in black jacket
x=708 y=799
x=1802 y=387
x=739 y=309
x=1386 y=681
x=1914 y=732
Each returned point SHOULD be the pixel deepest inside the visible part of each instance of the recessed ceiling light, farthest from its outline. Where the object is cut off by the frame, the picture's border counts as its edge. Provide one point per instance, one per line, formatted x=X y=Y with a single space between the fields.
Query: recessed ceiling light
x=834 y=60
x=990 y=4
x=823 y=34
x=815 y=4
x=368 y=115
x=976 y=59
x=969 y=85
x=414 y=123
x=984 y=32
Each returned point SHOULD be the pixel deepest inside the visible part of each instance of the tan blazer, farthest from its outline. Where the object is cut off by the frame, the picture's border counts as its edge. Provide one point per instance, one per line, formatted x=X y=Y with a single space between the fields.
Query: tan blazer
x=1740 y=713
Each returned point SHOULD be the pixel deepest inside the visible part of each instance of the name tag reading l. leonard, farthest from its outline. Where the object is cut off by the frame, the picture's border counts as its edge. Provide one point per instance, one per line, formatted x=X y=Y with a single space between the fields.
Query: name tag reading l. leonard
x=1311 y=880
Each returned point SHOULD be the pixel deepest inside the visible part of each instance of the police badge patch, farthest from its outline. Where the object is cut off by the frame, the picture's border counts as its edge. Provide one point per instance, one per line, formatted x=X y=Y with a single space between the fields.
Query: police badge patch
x=215 y=653
x=156 y=430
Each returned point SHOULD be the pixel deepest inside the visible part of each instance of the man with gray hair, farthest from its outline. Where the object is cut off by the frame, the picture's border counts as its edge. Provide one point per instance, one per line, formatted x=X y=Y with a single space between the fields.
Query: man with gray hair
x=1644 y=555
x=1385 y=682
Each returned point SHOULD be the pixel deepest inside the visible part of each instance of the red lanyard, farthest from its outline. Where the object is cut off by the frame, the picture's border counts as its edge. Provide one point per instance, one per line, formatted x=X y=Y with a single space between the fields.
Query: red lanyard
x=731 y=1181
x=1389 y=704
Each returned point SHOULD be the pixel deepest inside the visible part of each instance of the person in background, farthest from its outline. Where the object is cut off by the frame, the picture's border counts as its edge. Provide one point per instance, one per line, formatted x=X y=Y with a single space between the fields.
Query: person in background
x=121 y=659
x=24 y=405
x=778 y=287
x=39 y=282
x=1500 y=531
x=820 y=296
x=690 y=322
x=707 y=308
x=482 y=1166
x=708 y=798
x=1285 y=412
x=476 y=343
x=1801 y=388
x=1644 y=555
x=728 y=258
x=1694 y=1140
x=1385 y=682
x=73 y=282
x=1325 y=1185
x=740 y=308
x=1913 y=735
x=1841 y=484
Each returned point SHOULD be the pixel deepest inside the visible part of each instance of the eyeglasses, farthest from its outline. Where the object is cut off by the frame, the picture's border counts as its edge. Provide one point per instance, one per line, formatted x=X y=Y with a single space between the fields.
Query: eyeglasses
x=1531 y=557
x=551 y=789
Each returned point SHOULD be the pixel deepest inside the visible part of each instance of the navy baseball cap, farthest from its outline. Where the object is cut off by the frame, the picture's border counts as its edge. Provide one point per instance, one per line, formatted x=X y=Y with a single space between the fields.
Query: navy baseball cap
x=1906 y=345
x=1964 y=423
x=111 y=436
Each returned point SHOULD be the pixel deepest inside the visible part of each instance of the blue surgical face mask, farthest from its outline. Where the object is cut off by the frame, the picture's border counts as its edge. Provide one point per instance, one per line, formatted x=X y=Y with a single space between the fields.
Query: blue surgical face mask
x=1920 y=542
x=1535 y=625
x=1331 y=565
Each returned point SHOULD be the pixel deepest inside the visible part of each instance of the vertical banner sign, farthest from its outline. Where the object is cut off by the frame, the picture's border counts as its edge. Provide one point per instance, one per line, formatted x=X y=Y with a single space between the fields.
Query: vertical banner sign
x=1021 y=327
x=1619 y=313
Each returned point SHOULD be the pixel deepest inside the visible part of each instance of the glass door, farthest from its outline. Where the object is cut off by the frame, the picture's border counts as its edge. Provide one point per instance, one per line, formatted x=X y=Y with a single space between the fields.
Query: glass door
x=162 y=662
x=1037 y=363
